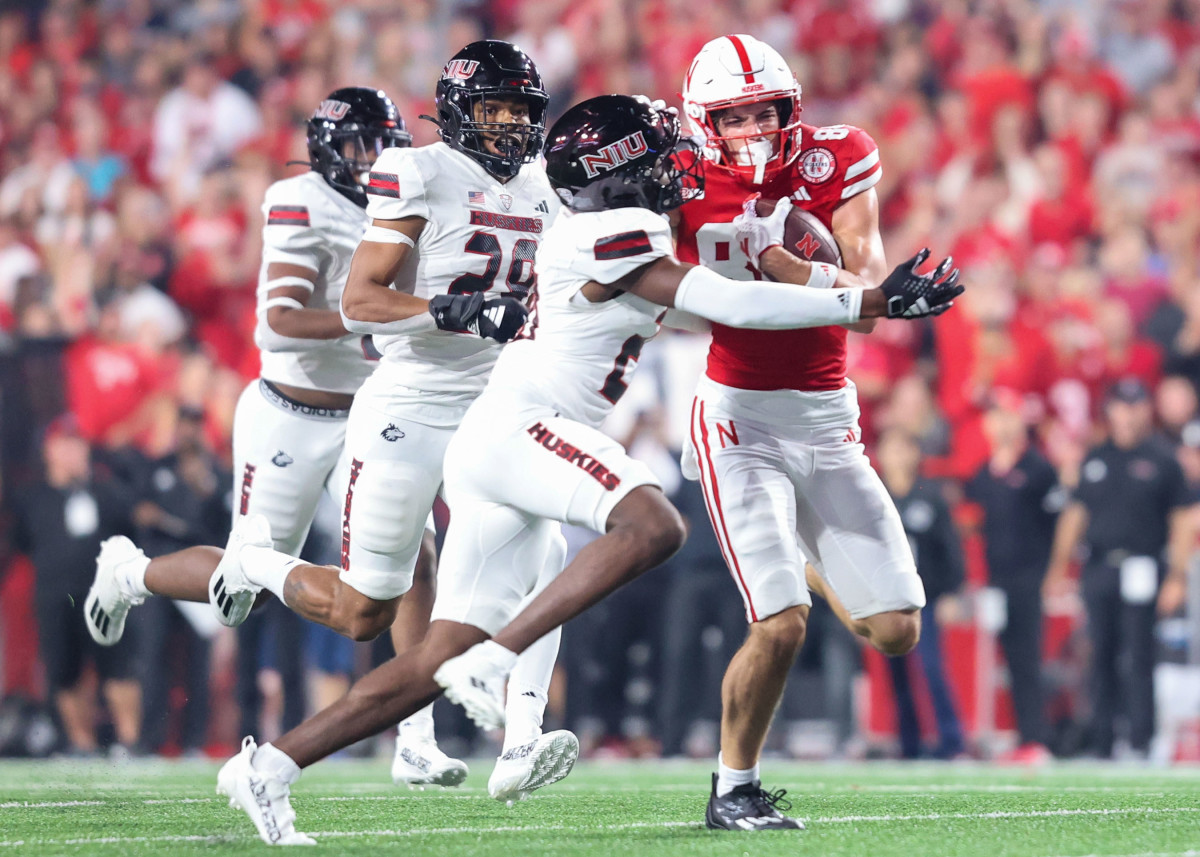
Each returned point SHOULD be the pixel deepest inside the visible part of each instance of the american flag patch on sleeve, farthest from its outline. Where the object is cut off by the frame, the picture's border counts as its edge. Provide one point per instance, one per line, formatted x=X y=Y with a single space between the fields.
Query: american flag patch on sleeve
x=622 y=246
x=287 y=215
x=384 y=184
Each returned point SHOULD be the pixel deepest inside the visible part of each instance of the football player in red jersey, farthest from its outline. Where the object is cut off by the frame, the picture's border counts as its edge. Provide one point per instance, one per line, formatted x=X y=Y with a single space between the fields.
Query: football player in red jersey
x=775 y=440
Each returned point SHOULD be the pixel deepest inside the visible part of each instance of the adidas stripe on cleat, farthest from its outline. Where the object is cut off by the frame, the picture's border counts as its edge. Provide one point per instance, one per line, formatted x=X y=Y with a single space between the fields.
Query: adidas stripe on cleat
x=107 y=603
x=230 y=592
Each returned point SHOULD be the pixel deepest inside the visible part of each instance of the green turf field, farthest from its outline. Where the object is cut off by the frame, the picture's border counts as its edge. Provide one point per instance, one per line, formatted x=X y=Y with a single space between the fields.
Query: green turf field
x=615 y=810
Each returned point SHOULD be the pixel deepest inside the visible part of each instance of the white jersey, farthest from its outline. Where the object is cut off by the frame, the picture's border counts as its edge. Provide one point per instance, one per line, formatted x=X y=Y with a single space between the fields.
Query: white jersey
x=308 y=223
x=577 y=356
x=480 y=235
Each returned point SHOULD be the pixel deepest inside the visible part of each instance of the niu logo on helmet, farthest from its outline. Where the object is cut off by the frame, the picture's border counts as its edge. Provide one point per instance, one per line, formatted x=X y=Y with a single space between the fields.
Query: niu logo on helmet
x=331 y=109
x=614 y=154
x=462 y=69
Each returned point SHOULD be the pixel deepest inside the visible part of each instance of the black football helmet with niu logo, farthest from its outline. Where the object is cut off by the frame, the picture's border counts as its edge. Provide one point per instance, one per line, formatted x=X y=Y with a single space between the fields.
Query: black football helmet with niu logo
x=483 y=70
x=617 y=151
x=347 y=132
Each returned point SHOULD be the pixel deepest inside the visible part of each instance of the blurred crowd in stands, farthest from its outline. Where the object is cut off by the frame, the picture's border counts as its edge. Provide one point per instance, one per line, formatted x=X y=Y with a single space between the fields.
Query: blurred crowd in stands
x=1051 y=146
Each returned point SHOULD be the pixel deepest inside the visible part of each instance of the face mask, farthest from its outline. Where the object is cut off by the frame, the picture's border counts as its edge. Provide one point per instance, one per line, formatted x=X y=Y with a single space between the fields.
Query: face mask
x=754 y=153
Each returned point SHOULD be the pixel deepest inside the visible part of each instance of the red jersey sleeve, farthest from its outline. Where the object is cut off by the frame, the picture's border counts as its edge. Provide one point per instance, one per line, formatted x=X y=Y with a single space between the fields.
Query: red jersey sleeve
x=838 y=162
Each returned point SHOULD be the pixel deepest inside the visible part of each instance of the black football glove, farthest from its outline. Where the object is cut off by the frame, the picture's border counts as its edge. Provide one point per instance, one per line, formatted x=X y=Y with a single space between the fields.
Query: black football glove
x=492 y=318
x=913 y=295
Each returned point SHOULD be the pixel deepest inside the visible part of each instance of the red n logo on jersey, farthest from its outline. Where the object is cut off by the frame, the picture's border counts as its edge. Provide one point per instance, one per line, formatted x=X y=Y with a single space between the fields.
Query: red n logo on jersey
x=614 y=155
x=807 y=245
x=727 y=431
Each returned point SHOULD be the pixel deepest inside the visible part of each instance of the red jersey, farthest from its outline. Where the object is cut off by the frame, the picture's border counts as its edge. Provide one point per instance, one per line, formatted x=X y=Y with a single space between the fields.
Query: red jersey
x=836 y=163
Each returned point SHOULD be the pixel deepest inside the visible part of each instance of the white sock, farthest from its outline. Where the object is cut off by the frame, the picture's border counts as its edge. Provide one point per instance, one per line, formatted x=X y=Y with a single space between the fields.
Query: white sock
x=523 y=713
x=267 y=567
x=729 y=779
x=131 y=577
x=525 y=705
x=273 y=762
x=418 y=727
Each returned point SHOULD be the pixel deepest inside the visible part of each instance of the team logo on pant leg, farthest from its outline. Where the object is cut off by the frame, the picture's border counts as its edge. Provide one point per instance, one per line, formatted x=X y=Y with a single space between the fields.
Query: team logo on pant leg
x=282 y=459
x=392 y=433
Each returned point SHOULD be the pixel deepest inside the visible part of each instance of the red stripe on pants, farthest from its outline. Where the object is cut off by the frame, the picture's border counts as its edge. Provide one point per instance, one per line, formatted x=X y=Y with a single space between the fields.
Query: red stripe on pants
x=731 y=560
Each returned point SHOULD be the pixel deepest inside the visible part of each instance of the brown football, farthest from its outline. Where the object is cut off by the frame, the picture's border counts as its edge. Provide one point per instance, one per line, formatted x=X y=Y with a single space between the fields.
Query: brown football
x=804 y=235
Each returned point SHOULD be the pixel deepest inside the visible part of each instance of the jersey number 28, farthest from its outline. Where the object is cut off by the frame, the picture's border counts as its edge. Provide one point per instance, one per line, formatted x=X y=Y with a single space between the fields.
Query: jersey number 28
x=520 y=270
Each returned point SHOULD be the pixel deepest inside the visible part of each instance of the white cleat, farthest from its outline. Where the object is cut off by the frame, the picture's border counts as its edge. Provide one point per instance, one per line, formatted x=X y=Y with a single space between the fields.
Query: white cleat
x=107 y=604
x=476 y=681
x=230 y=592
x=263 y=798
x=532 y=766
x=420 y=763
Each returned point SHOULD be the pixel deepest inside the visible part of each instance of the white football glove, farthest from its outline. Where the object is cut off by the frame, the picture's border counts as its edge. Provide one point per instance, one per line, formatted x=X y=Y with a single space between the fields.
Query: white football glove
x=755 y=235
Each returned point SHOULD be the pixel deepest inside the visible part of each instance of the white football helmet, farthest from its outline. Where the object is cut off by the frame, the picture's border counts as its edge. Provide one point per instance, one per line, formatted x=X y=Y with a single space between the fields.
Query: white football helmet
x=736 y=70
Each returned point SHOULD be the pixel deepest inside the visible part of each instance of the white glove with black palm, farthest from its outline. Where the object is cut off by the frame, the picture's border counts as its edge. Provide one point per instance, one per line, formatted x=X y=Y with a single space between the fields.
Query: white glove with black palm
x=754 y=234
x=913 y=295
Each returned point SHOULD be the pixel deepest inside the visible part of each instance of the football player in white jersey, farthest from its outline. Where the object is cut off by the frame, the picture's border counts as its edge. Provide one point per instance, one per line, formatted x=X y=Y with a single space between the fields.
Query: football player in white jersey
x=440 y=281
x=290 y=423
x=528 y=454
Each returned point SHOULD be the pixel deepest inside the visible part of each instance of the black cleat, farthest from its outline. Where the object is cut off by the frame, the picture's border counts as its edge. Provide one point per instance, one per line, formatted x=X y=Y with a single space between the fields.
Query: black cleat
x=749 y=807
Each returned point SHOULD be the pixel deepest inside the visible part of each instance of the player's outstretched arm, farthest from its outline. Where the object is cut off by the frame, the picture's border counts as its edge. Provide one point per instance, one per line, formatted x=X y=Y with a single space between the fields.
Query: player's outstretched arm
x=855 y=227
x=905 y=293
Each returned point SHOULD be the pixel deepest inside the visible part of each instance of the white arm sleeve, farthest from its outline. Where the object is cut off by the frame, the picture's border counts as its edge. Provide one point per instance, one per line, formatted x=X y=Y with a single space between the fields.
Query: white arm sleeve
x=762 y=305
x=677 y=319
x=413 y=324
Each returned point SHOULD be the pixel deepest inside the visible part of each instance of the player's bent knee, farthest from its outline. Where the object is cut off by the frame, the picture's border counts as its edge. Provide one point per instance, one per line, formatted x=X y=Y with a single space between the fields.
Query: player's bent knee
x=783 y=633
x=647 y=515
x=895 y=633
x=360 y=618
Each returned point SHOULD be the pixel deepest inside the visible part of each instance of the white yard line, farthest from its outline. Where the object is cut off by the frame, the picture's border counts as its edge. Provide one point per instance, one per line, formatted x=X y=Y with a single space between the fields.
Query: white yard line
x=535 y=828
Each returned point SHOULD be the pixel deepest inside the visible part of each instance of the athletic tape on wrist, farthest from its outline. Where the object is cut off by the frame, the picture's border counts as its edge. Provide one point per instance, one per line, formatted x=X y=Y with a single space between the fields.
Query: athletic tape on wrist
x=822 y=275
